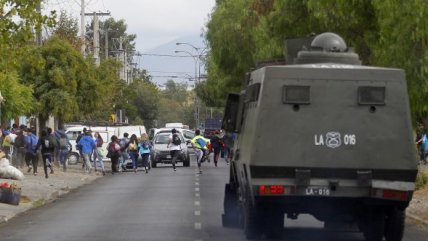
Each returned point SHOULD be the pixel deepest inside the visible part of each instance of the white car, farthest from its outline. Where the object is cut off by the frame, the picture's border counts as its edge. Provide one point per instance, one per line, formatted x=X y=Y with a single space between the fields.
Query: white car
x=162 y=154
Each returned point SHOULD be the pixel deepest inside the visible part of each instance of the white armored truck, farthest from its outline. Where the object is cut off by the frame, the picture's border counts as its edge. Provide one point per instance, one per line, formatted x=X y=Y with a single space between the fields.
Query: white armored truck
x=324 y=136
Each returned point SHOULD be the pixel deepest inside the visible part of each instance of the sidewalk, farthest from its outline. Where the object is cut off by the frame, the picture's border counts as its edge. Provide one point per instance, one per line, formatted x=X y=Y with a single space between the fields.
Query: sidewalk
x=37 y=190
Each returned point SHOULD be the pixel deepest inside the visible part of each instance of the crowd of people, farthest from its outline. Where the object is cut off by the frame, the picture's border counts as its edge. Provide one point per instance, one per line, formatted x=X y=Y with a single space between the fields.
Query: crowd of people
x=24 y=148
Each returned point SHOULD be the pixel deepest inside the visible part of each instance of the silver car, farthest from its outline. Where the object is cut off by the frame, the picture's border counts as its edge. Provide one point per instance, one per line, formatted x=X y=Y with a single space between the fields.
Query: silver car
x=162 y=154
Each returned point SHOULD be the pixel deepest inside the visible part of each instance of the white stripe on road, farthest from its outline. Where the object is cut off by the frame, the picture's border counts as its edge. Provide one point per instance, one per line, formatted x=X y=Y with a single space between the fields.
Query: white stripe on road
x=198 y=226
x=196 y=183
x=197 y=195
x=196 y=189
x=197 y=213
x=197 y=203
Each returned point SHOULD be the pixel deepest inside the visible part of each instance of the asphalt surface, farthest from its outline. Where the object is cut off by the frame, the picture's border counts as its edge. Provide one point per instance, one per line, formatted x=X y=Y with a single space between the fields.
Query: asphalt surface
x=161 y=205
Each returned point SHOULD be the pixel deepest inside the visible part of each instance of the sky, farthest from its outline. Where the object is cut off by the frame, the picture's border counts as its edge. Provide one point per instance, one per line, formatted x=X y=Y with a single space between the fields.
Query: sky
x=155 y=22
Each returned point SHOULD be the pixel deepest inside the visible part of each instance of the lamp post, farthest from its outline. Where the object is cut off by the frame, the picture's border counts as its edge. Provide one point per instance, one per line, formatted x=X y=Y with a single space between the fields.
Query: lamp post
x=196 y=59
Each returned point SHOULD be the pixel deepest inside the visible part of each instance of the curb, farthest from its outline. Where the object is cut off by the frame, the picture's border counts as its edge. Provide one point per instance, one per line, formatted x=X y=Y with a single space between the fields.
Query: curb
x=417 y=218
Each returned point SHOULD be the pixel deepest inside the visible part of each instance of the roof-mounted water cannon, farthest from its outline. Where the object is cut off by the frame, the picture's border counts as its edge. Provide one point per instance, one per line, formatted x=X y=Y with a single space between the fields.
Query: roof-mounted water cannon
x=323 y=48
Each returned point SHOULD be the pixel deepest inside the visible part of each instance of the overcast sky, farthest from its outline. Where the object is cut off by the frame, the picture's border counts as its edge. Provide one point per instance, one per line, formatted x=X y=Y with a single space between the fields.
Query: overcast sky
x=155 y=22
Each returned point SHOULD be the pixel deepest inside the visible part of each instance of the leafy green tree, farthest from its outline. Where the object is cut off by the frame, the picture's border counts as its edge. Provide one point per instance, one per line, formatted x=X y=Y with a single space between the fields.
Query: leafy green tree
x=64 y=83
x=67 y=28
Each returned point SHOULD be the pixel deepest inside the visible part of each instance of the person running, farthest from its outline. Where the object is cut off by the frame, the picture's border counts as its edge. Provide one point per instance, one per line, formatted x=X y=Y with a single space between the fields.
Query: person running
x=62 y=149
x=123 y=143
x=199 y=143
x=174 y=145
x=98 y=154
x=133 y=151
x=217 y=145
x=19 y=147
x=113 y=149
x=88 y=146
x=144 y=148
x=48 y=144
x=31 y=159
x=228 y=145
x=78 y=147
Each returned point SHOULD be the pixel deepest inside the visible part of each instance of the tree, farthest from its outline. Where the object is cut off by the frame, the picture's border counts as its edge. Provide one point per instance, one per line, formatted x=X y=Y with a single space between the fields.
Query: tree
x=64 y=83
x=67 y=28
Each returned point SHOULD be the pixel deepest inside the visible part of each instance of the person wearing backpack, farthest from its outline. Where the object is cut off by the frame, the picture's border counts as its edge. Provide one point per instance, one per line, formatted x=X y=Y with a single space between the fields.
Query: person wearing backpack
x=174 y=145
x=19 y=147
x=47 y=144
x=200 y=144
x=113 y=149
x=133 y=151
x=99 y=153
x=217 y=145
x=88 y=146
x=31 y=159
x=144 y=148
x=123 y=143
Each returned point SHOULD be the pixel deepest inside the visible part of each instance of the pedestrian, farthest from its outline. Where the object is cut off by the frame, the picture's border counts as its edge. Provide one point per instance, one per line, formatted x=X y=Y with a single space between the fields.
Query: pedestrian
x=133 y=151
x=78 y=147
x=7 y=143
x=99 y=152
x=123 y=142
x=47 y=144
x=228 y=146
x=113 y=150
x=87 y=144
x=144 y=148
x=217 y=145
x=19 y=148
x=62 y=149
x=199 y=143
x=31 y=159
x=174 y=145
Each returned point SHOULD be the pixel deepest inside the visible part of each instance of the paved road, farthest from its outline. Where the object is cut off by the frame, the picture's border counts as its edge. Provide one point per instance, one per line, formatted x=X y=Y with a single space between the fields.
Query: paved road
x=162 y=205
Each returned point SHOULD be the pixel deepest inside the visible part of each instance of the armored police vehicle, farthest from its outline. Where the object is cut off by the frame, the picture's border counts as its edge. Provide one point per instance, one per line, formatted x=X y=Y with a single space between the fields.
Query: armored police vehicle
x=324 y=136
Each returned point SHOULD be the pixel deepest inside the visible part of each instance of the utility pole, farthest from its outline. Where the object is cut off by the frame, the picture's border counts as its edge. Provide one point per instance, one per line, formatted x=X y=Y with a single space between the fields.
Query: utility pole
x=39 y=32
x=82 y=27
x=97 y=34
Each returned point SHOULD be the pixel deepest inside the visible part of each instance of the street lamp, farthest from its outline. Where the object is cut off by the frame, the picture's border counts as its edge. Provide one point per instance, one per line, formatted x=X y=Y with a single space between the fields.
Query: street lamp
x=197 y=58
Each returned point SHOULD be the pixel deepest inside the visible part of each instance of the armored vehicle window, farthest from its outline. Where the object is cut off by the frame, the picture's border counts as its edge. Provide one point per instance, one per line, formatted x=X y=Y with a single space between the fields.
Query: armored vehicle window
x=371 y=95
x=252 y=92
x=295 y=94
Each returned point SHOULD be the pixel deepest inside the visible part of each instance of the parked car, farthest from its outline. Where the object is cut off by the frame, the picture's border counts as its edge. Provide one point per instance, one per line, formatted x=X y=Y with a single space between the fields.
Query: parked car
x=162 y=154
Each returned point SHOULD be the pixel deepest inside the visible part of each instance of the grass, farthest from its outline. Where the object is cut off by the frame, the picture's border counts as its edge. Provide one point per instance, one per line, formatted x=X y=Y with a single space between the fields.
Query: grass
x=421 y=179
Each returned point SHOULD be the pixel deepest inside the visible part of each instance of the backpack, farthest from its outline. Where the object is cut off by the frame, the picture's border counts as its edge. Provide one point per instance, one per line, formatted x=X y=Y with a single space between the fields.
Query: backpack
x=62 y=143
x=176 y=140
x=122 y=143
x=132 y=146
x=201 y=142
x=145 y=145
x=49 y=142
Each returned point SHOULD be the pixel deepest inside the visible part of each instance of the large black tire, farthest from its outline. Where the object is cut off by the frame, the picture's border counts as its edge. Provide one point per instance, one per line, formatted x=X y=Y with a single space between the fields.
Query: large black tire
x=373 y=226
x=186 y=161
x=73 y=158
x=273 y=225
x=252 y=221
x=394 y=225
x=230 y=218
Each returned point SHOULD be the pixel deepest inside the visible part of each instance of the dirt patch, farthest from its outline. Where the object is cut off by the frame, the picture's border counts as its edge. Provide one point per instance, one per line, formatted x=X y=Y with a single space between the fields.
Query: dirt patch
x=419 y=204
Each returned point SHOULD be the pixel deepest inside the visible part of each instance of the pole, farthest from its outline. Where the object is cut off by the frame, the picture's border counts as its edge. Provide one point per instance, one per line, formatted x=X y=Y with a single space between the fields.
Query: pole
x=96 y=40
x=106 y=43
x=82 y=27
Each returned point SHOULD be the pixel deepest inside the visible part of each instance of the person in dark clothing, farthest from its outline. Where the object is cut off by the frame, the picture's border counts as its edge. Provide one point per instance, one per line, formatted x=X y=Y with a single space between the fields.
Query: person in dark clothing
x=217 y=145
x=31 y=159
x=113 y=148
x=47 y=144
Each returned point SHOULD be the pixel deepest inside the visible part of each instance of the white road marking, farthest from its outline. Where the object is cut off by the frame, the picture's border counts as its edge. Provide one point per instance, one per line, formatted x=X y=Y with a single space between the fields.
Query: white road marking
x=197 y=195
x=197 y=213
x=196 y=189
x=198 y=226
x=197 y=203
x=196 y=183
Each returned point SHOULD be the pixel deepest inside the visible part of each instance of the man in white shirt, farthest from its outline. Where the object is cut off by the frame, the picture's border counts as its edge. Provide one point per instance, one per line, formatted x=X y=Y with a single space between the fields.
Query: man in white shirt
x=174 y=145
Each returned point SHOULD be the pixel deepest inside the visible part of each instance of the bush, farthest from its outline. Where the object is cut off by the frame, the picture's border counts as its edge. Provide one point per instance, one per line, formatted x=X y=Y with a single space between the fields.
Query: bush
x=421 y=179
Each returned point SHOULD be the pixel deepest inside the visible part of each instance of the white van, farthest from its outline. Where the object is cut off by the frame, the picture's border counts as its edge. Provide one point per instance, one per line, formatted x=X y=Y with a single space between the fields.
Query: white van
x=73 y=132
x=137 y=130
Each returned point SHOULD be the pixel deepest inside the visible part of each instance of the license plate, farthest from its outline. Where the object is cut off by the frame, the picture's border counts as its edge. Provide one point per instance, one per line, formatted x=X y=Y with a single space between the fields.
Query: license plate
x=168 y=156
x=317 y=191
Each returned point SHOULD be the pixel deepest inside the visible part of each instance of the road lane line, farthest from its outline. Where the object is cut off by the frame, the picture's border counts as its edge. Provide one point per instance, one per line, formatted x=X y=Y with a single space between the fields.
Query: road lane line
x=196 y=183
x=198 y=226
x=196 y=189
x=197 y=194
x=197 y=203
x=197 y=213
